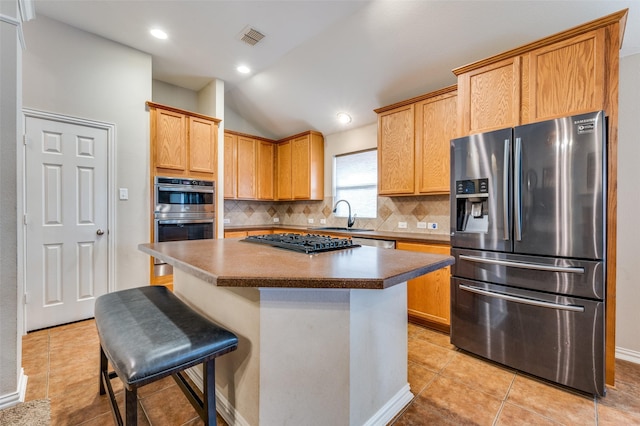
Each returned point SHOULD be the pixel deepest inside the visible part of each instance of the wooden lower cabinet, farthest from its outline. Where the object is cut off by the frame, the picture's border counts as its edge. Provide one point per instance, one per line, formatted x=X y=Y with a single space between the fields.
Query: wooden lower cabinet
x=428 y=296
x=242 y=234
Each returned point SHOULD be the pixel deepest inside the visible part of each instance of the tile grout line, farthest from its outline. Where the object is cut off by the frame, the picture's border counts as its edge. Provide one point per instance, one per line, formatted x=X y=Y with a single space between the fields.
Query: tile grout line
x=504 y=401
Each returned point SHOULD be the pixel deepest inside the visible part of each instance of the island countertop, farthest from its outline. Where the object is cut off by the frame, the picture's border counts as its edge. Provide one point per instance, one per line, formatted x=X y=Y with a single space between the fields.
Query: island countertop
x=235 y=263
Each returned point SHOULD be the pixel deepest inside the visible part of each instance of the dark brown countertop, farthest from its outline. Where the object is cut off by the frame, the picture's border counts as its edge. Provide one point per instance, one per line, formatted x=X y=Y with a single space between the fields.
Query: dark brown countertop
x=379 y=235
x=234 y=263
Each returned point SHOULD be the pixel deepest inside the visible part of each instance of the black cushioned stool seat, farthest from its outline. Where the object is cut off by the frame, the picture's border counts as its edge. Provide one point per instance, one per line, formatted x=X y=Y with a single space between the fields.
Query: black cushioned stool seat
x=147 y=333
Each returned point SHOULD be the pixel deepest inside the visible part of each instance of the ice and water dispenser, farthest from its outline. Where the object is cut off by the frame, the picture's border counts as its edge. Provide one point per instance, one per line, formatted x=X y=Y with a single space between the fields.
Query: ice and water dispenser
x=472 y=207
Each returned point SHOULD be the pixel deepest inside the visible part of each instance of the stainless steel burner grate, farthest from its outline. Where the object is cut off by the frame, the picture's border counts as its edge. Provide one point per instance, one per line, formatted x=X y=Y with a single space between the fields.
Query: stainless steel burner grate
x=303 y=243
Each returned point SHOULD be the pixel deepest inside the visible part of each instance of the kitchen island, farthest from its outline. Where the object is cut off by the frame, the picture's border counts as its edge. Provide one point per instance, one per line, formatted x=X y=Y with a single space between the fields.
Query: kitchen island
x=322 y=337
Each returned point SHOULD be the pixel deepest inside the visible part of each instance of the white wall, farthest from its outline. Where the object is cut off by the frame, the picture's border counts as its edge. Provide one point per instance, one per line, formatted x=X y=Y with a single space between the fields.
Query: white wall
x=71 y=72
x=233 y=121
x=168 y=94
x=628 y=274
x=10 y=128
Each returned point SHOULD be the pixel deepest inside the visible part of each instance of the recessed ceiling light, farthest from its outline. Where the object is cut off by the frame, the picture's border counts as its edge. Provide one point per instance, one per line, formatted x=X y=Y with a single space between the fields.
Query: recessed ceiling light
x=243 y=69
x=344 y=118
x=158 y=33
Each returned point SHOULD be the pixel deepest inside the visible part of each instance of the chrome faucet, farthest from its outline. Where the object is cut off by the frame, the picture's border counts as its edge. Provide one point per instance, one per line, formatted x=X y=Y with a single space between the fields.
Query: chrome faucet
x=350 y=221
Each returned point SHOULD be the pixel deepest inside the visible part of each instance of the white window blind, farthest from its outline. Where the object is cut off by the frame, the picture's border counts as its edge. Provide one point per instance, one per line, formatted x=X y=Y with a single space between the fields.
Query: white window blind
x=356 y=180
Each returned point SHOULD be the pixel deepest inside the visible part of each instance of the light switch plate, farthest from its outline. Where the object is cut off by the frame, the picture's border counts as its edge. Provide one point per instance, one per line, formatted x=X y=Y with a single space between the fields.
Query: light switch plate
x=276 y=220
x=402 y=225
x=432 y=225
x=124 y=193
x=422 y=225
x=310 y=221
x=227 y=220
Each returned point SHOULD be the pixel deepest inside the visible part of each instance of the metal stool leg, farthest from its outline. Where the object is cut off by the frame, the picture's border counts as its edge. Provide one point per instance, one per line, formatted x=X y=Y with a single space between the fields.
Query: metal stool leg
x=131 y=407
x=209 y=387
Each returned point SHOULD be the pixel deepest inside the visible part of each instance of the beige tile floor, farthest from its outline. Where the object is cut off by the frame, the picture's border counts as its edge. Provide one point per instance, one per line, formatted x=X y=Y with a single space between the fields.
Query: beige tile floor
x=451 y=387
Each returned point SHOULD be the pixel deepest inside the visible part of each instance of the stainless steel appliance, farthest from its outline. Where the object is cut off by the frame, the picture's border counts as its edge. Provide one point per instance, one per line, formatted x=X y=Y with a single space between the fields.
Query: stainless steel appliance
x=184 y=210
x=528 y=209
x=303 y=243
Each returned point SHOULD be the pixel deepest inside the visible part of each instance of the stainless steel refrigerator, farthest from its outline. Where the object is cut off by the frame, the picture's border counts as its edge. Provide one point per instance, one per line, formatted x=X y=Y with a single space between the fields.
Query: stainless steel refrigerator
x=528 y=215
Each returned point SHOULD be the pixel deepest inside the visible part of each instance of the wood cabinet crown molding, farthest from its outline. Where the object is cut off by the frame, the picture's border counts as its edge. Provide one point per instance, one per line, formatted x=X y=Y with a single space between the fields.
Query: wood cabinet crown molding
x=417 y=99
x=603 y=22
x=182 y=111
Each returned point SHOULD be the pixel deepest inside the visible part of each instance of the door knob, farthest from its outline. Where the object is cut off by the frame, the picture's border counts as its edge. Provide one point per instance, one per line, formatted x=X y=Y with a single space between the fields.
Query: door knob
x=100 y=232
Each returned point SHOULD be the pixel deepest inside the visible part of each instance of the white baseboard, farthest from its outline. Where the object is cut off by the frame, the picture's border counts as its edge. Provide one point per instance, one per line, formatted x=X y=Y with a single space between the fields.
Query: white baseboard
x=11 y=399
x=223 y=406
x=385 y=414
x=628 y=355
x=382 y=417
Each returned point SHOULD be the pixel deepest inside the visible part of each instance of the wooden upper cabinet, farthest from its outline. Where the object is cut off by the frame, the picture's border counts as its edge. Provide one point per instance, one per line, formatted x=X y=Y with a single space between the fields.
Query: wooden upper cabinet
x=183 y=143
x=283 y=169
x=170 y=130
x=568 y=73
x=568 y=77
x=230 y=162
x=300 y=167
x=489 y=97
x=203 y=136
x=396 y=151
x=436 y=125
x=247 y=168
x=262 y=169
x=266 y=158
x=413 y=144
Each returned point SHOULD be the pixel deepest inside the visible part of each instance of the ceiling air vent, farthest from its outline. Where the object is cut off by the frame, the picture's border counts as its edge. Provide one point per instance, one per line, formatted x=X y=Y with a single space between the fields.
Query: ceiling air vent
x=251 y=36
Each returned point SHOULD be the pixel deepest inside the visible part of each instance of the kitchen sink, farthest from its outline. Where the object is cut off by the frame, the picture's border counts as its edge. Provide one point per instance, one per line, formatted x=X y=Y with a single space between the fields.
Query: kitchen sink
x=334 y=228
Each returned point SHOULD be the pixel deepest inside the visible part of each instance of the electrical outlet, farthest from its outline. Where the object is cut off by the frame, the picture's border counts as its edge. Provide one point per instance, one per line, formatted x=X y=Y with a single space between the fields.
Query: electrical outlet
x=422 y=225
x=227 y=221
x=323 y=221
x=276 y=220
x=432 y=225
x=402 y=225
x=309 y=221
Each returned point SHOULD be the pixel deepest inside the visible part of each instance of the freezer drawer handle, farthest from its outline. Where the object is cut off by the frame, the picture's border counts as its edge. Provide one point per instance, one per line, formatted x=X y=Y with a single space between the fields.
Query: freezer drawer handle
x=537 y=267
x=533 y=302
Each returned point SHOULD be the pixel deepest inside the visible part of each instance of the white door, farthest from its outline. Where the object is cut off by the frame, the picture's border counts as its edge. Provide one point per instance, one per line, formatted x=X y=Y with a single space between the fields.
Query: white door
x=66 y=240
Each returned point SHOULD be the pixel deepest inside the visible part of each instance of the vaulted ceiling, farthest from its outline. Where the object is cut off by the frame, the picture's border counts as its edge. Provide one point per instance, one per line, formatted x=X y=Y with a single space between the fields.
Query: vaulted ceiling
x=321 y=57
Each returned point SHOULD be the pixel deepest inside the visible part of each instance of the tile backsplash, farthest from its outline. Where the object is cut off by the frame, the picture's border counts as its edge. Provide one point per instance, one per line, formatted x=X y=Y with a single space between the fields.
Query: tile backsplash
x=391 y=211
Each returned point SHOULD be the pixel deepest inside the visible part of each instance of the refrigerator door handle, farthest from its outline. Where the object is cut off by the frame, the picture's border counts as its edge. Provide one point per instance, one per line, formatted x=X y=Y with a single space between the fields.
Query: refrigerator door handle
x=532 y=302
x=505 y=188
x=517 y=189
x=522 y=265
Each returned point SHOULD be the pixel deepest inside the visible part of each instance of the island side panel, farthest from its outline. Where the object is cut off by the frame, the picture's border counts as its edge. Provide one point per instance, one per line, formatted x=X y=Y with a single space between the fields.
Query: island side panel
x=379 y=379
x=304 y=357
x=238 y=372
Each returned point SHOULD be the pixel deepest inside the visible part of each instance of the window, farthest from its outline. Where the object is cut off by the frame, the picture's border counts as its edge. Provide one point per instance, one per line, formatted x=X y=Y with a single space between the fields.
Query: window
x=356 y=180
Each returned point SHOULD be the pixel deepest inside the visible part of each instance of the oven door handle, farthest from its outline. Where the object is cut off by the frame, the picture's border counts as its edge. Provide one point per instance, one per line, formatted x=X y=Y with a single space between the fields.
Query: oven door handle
x=185 y=189
x=523 y=265
x=182 y=221
x=532 y=302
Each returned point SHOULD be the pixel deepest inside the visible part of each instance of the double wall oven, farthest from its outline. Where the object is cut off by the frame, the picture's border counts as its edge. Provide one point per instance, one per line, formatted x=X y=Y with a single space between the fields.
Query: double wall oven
x=184 y=209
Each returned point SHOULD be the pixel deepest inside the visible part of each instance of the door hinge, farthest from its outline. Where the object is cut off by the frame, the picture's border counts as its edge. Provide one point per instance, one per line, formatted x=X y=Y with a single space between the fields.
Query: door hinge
x=24 y=219
x=26 y=298
x=24 y=139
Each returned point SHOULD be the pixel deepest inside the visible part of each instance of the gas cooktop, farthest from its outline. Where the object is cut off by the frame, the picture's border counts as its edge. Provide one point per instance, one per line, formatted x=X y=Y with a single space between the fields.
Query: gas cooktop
x=304 y=243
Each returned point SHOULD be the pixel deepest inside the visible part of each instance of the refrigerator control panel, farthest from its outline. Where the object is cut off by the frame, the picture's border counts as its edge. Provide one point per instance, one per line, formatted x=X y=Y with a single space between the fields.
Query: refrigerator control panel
x=472 y=186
